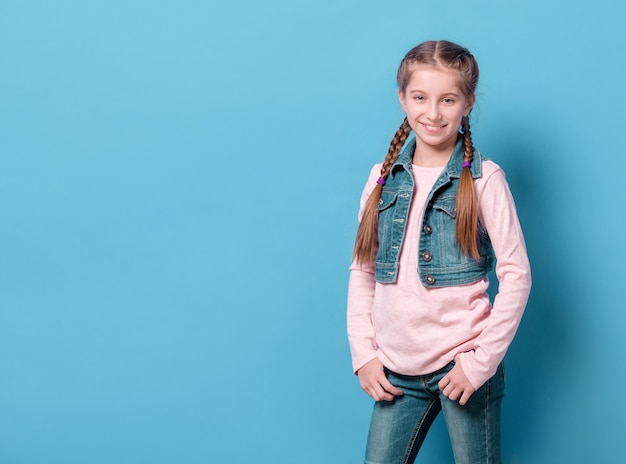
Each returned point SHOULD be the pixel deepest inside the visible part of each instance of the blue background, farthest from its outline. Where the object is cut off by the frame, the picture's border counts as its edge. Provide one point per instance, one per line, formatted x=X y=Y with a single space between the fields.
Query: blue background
x=179 y=183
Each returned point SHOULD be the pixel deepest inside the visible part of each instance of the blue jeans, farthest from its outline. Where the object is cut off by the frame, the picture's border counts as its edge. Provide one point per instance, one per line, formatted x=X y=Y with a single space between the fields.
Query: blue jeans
x=398 y=427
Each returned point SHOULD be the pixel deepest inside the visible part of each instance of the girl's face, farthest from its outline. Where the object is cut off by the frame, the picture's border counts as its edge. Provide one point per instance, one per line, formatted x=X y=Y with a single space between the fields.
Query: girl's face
x=434 y=105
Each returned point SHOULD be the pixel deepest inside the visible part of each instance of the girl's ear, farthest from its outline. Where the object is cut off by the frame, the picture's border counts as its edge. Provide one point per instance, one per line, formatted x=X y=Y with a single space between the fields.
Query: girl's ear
x=402 y=99
x=469 y=105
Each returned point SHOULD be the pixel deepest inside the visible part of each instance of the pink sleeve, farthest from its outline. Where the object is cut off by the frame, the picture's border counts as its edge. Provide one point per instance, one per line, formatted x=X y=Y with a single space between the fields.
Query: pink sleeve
x=360 y=297
x=499 y=216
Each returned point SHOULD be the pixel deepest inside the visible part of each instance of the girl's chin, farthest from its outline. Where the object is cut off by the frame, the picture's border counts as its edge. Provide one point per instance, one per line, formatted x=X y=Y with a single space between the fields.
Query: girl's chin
x=442 y=139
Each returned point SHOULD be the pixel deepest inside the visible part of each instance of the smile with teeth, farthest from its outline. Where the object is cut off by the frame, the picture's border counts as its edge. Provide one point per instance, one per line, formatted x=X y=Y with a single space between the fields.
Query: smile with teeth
x=433 y=128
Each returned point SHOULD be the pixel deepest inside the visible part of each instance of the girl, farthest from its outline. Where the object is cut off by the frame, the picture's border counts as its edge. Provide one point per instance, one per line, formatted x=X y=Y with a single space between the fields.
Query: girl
x=434 y=217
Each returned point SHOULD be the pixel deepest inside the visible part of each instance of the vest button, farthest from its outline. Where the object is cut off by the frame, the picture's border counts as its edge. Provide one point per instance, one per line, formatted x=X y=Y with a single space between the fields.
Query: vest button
x=430 y=279
x=428 y=230
x=427 y=256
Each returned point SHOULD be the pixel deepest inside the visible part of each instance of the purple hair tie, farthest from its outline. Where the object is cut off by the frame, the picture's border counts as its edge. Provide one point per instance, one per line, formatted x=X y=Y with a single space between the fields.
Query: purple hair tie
x=466 y=164
x=381 y=181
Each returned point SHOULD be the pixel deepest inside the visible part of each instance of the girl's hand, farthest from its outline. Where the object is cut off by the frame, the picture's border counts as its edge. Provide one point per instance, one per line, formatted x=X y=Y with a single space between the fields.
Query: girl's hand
x=374 y=382
x=455 y=385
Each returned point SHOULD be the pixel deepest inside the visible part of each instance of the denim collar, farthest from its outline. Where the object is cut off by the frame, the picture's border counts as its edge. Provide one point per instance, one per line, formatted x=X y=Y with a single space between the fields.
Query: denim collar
x=454 y=166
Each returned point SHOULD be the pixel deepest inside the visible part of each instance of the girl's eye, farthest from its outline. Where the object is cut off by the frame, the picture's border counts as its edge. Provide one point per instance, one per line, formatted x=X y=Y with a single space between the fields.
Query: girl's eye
x=448 y=100
x=420 y=97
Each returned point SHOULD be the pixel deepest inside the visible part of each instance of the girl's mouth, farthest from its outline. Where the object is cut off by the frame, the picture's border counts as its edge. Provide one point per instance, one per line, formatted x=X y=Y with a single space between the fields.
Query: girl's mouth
x=431 y=128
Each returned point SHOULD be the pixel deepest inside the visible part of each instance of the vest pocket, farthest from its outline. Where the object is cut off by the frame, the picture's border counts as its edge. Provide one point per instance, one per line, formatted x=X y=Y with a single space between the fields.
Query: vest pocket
x=447 y=204
x=387 y=199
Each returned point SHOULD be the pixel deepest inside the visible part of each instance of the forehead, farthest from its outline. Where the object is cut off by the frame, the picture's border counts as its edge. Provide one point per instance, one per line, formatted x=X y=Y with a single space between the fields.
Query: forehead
x=433 y=78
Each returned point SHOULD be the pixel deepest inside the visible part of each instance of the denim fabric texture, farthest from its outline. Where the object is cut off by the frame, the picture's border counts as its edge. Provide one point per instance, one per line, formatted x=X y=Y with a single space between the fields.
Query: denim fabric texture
x=441 y=262
x=398 y=428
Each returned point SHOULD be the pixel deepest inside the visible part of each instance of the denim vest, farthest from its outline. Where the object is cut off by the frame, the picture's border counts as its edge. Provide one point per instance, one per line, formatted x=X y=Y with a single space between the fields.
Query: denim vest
x=441 y=262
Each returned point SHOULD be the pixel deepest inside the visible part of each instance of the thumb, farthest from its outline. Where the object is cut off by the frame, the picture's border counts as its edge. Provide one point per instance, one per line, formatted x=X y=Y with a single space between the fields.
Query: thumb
x=389 y=387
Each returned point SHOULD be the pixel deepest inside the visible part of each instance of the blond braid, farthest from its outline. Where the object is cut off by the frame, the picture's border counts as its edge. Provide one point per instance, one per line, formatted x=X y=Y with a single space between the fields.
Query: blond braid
x=394 y=147
x=468 y=144
x=466 y=202
x=367 y=234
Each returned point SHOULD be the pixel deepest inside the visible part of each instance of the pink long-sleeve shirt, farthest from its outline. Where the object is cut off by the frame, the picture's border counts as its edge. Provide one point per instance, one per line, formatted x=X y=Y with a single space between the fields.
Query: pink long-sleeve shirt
x=415 y=330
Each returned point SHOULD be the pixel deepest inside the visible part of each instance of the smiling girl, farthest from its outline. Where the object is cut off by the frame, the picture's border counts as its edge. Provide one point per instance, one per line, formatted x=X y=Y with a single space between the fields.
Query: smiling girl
x=435 y=216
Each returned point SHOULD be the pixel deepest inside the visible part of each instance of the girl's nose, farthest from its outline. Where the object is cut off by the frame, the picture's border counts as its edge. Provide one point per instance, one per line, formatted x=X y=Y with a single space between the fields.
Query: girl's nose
x=433 y=111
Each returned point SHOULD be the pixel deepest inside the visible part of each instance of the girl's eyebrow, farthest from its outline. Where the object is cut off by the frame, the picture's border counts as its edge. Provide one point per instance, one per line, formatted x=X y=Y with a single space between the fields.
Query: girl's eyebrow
x=443 y=94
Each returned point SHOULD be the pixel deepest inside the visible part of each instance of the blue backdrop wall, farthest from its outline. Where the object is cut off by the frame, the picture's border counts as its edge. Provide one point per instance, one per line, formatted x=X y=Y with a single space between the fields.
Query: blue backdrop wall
x=179 y=183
